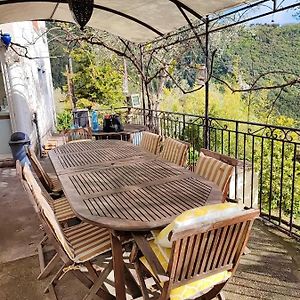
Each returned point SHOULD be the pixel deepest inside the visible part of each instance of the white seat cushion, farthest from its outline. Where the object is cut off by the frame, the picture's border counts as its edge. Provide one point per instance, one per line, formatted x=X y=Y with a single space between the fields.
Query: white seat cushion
x=197 y=217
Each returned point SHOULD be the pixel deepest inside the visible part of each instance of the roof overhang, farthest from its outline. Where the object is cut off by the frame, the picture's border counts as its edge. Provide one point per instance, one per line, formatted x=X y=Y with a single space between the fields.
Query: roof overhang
x=135 y=20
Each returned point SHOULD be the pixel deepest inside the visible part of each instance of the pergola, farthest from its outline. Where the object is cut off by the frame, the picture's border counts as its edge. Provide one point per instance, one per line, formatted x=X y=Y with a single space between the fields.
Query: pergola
x=144 y=22
x=137 y=21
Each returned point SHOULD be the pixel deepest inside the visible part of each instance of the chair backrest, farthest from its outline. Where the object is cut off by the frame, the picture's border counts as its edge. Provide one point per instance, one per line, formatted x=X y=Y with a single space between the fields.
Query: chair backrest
x=150 y=142
x=39 y=170
x=78 y=134
x=19 y=170
x=222 y=157
x=198 y=253
x=47 y=212
x=217 y=168
x=49 y=145
x=175 y=151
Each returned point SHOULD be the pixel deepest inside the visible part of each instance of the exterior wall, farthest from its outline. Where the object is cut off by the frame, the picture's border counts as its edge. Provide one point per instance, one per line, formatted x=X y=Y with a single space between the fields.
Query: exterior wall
x=29 y=81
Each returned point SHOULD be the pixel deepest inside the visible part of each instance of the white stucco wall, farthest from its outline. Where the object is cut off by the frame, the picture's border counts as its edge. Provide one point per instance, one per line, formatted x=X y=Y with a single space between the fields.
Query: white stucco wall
x=29 y=80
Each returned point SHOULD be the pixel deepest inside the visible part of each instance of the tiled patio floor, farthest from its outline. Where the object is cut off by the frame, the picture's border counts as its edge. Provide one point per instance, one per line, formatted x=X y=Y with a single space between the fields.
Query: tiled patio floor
x=270 y=271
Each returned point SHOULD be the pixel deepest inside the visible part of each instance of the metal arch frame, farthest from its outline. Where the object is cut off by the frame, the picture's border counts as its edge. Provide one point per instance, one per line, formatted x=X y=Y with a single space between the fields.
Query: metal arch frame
x=276 y=8
x=207 y=31
x=100 y=7
x=179 y=4
x=206 y=52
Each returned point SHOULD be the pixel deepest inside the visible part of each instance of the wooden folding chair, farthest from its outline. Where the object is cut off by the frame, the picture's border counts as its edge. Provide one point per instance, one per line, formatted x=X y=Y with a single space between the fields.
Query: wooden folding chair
x=78 y=135
x=49 y=181
x=76 y=246
x=45 y=268
x=150 y=142
x=175 y=151
x=217 y=168
x=61 y=209
x=60 y=206
x=19 y=171
x=200 y=261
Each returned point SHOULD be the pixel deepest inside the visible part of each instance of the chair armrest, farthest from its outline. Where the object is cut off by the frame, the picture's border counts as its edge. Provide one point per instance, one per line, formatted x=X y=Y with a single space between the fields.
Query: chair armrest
x=150 y=256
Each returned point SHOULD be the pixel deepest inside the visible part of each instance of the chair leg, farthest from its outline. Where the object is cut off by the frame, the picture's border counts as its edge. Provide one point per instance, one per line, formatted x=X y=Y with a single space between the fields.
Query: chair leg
x=45 y=269
x=49 y=267
x=144 y=289
x=91 y=271
x=221 y=296
x=53 y=292
x=41 y=255
x=131 y=283
x=216 y=291
x=94 y=285
x=89 y=284
x=54 y=280
x=98 y=283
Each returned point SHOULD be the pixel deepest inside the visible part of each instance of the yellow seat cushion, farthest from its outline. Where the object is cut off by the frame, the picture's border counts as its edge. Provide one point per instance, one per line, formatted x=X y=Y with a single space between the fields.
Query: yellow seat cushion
x=191 y=290
x=198 y=288
x=197 y=217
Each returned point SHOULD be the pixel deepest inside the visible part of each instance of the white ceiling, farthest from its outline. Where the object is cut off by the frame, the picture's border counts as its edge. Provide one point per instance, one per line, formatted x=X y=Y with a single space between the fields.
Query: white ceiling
x=162 y=15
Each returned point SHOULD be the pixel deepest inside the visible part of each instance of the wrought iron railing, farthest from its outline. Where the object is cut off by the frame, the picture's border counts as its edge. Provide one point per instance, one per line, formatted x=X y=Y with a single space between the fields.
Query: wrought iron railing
x=268 y=176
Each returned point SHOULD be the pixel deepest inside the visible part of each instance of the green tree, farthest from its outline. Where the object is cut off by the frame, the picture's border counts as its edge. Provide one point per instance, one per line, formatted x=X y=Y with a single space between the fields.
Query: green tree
x=94 y=80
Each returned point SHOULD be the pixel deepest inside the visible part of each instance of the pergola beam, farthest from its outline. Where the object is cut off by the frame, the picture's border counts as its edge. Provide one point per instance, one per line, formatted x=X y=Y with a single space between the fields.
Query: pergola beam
x=131 y=18
x=100 y=7
x=188 y=9
x=211 y=20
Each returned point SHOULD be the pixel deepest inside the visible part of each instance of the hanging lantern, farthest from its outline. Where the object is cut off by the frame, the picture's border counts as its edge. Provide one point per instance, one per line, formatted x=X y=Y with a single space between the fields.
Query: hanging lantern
x=82 y=11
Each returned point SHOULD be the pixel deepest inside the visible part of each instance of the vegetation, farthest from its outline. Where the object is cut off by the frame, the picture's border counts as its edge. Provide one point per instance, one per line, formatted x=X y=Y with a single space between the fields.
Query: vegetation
x=64 y=120
x=96 y=80
x=269 y=51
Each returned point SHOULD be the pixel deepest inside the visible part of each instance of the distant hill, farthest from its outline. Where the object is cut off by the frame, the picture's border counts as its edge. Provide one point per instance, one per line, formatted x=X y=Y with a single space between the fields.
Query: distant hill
x=248 y=52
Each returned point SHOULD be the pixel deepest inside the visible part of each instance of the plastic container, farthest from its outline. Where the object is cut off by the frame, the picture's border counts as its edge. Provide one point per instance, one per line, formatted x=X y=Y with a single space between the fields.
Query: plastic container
x=95 y=125
x=18 y=141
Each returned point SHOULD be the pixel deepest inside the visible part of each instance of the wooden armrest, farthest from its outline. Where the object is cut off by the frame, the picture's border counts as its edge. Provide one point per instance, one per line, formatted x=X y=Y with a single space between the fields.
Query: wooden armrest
x=150 y=256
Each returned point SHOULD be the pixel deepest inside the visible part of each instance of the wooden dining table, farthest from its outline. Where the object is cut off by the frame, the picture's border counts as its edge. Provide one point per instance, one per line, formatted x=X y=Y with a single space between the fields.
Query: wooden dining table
x=120 y=186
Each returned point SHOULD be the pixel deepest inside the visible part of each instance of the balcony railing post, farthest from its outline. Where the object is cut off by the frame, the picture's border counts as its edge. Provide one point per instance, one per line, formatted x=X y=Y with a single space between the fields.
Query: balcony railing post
x=206 y=123
x=143 y=85
x=183 y=126
x=236 y=156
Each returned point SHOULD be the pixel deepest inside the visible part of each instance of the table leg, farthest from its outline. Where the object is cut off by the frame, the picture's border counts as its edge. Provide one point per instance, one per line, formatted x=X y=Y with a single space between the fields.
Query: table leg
x=121 y=272
x=118 y=266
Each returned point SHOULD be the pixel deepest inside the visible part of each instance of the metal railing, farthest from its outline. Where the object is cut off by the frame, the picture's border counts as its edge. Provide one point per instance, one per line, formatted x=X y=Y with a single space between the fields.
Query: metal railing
x=268 y=175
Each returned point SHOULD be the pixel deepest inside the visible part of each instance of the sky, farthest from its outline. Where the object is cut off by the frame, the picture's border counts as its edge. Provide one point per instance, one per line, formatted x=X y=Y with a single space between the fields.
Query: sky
x=284 y=17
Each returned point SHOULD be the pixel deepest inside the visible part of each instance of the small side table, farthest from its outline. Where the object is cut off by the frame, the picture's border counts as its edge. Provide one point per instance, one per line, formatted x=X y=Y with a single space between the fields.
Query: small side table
x=125 y=135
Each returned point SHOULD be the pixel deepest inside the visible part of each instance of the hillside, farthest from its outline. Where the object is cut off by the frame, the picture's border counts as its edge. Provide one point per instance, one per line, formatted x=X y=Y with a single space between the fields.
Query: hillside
x=251 y=51
x=243 y=54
